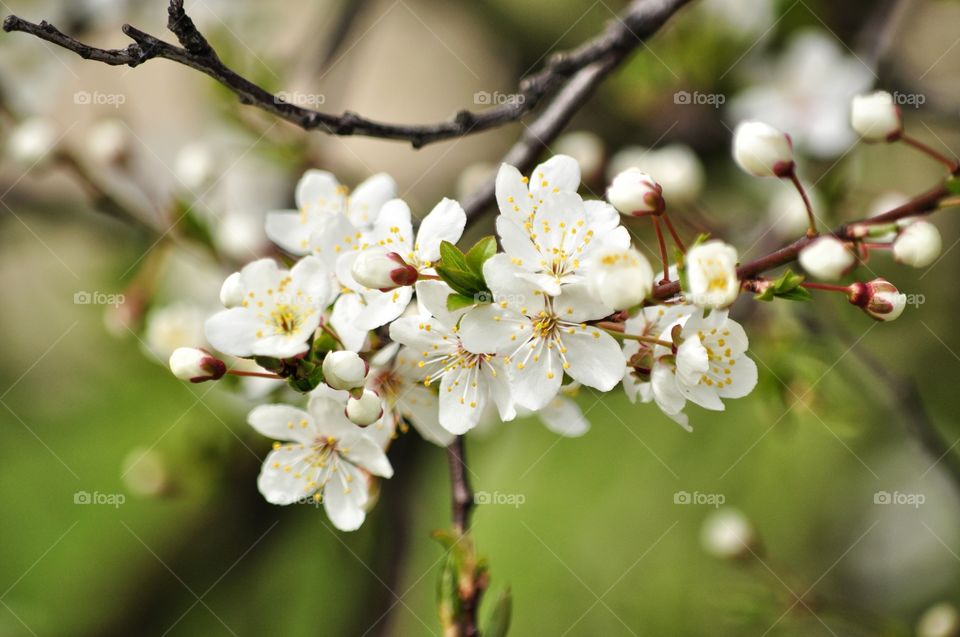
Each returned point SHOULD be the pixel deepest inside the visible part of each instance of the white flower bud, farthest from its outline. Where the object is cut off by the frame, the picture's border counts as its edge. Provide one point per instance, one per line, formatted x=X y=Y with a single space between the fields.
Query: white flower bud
x=827 y=258
x=108 y=141
x=231 y=292
x=940 y=620
x=364 y=410
x=378 y=269
x=344 y=370
x=918 y=244
x=876 y=117
x=620 y=279
x=194 y=166
x=878 y=298
x=633 y=192
x=585 y=147
x=763 y=151
x=728 y=534
x=31 y=141
x=196 y=365
x=712 y=279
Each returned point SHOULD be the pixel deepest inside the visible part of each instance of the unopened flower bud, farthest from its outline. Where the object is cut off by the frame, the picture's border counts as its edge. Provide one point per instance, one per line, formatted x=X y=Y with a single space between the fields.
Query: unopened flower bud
x=876 y=117
x=918 y=244
x=344 y=370
x=878 y=298
x=196 y=365
x=378 y=269
x=827 y=258
x=634 y=192
x=728 y=534
x=194 y=166
x=620 y=279
x=940 y=620
x=365 y=410
x=31 y=141
x=763 y=151
x=231 y=292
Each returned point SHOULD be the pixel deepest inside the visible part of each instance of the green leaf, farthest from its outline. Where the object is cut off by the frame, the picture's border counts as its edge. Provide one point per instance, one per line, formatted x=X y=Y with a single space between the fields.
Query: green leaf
x=953 y=185
x=786 y=286
x=462 y=281
x=479 y=253
x=458 y=301
x=499 y=621
x=797 y=294
x=451 y=256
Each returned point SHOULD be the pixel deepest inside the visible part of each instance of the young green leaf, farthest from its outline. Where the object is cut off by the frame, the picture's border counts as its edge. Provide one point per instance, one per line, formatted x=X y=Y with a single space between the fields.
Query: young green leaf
x=479 y=253
x=451 y=257
x=458 y=301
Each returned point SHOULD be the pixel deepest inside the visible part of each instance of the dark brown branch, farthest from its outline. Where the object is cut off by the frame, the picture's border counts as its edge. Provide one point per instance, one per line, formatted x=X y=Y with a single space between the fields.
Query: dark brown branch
x=462 y=493
x=641 y=19
x=920 y=205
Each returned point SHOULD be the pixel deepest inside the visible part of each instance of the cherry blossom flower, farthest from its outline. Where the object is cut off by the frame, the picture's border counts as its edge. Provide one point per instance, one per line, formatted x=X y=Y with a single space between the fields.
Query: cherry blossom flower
x=620 y=278
x=542 y=337
x=368 y=308
x=280 y=311
x=469 y=377
x=320 y=196
x=319 y=454
x=711 y=269
x=519 y=197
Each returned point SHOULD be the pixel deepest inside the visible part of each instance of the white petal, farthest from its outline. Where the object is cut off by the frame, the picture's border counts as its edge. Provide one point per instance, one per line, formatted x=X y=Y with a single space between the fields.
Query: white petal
x=461 y=404
x=501 y=277
x=233 y=331
x=383 y=307
x=368 y=198
x=576 y=304
x=316 y=186
x=422 y=335
x=595 y=359
x=327 y=407
x=394 y=229
x=311 y=279
x=432 y=296
x=365 y=453
x=344 y=502
x=665 y=391
x=260 y=275
x=343 y=320
x=444 y=223
x=332 y=237
x=513 y=196
x=488 y=329
x=422 y=408
x=290 y=230
x=536 y=382
x=560 y=172
x=564 y=417
x=283 y=422
x=601 y=216
x=282 y=479
x=498 y=384
x=516 y=242
x=744 y=377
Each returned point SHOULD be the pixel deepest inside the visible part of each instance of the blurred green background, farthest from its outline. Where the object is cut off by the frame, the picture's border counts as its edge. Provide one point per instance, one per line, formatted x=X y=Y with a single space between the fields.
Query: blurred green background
x=598 y=545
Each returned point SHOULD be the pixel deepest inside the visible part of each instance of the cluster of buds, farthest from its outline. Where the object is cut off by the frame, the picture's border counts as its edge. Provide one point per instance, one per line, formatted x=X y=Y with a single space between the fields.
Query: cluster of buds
x=347 y=371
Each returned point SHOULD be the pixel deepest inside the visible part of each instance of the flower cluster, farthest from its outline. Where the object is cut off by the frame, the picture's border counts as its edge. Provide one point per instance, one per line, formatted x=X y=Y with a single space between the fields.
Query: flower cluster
x=386 y=327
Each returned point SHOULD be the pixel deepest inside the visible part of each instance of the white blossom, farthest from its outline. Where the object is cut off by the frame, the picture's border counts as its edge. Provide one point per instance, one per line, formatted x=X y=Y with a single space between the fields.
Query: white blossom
x=711 y=272
x=469 y=377
x=761 y=150
x=918 y=245
x=542 y=337
x=280 y=311
x=633 y=191
x=319 y=454
x=320 y=197
x=31 y=141
x=876 y=117
x=827 y=258
x=620 y=278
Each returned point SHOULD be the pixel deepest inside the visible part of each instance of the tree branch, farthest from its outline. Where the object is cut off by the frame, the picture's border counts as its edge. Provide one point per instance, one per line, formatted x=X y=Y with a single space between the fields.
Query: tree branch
x=462 y=493
x=641 y=18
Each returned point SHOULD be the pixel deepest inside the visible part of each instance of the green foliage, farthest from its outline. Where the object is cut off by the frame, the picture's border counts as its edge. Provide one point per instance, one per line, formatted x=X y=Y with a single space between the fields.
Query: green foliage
x=499 y=621
x=464 y=272
x=786 y=286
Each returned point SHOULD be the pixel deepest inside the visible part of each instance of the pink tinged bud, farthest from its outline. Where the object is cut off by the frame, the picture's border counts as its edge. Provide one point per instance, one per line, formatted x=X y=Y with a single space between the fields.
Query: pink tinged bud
x=378 y=269
x=344 y=370
x=876 y=117
x=918 y=245
x=365 y=409
x=878 y=298
x=827 y=258
x=763 y=151
x=633 y=192
x=196 y=365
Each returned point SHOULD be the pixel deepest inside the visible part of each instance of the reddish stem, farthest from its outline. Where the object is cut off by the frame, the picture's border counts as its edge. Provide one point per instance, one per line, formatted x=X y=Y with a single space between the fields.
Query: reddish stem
x=845 y=289
x=663 y=249
x=812 y=231
x=673 y=233
x=237 y=372
x=952 y=164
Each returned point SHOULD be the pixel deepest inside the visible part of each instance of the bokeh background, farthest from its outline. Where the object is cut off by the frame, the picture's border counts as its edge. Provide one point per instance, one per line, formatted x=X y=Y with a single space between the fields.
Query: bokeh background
x=596 y=540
